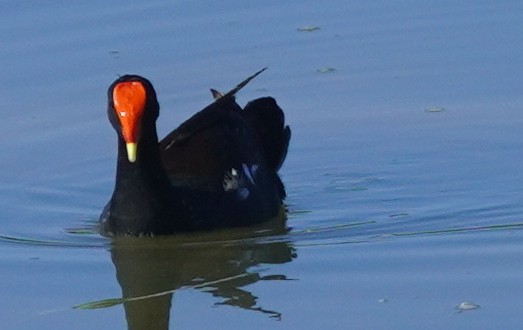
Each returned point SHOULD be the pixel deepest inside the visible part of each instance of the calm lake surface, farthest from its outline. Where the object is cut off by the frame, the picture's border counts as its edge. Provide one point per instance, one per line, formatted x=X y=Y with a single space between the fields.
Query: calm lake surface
x=404 y=176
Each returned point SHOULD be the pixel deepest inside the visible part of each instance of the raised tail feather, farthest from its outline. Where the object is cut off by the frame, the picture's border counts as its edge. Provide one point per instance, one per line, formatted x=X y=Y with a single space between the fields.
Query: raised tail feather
x=219 y=96
x=268 y=119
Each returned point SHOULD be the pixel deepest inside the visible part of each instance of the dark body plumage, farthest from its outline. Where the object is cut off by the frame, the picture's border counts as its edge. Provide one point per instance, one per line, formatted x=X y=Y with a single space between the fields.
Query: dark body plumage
x=217 y=169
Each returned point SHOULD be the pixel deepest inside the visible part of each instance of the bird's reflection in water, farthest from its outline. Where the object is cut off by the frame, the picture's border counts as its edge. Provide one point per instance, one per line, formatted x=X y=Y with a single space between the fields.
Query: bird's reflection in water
x=222 y=263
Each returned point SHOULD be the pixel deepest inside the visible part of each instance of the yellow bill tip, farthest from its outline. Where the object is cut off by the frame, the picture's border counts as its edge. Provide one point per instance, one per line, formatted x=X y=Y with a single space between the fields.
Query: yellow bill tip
x=131 y=151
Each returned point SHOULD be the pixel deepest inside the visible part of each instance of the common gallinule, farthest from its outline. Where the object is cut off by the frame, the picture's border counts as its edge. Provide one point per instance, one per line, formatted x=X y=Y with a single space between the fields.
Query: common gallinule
x=217 y=169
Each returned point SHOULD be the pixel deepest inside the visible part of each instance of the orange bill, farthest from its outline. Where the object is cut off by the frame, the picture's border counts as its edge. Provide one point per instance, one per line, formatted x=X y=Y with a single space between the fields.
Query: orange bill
x=129 y=103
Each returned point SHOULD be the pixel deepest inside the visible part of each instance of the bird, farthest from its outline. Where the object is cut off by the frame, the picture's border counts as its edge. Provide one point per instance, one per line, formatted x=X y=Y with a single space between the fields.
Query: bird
x=218 y=169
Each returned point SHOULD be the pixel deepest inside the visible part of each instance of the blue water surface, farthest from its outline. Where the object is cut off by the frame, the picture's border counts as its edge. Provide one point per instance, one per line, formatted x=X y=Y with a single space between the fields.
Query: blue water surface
x=404 y=175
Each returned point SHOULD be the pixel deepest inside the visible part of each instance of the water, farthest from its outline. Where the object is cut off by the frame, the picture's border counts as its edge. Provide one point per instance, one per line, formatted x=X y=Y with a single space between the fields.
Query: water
x=404 y=174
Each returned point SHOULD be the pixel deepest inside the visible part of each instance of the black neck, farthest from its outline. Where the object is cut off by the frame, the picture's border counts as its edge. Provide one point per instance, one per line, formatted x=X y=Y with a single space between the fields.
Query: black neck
x=142 y=191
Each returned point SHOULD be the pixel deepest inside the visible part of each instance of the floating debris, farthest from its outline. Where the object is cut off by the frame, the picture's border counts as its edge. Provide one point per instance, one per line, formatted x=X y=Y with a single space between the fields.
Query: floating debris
x=309 y=28
x=383 y=300
x=100 y=304
x=82 y=231
x=395 y=215
x=435 y=109
x=114 y=53
x=467 y=306
x=326 y=70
